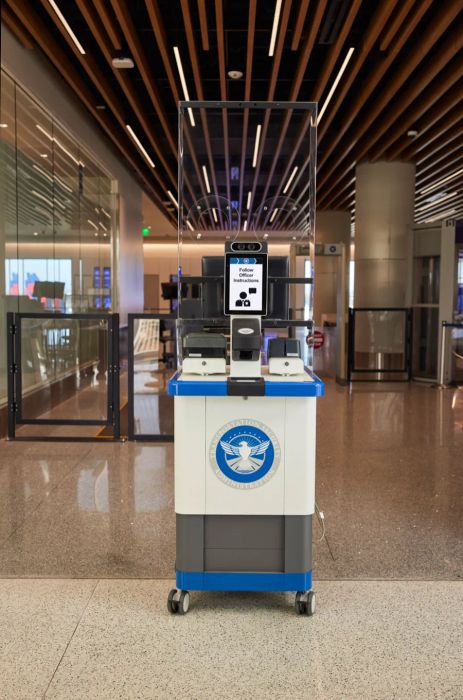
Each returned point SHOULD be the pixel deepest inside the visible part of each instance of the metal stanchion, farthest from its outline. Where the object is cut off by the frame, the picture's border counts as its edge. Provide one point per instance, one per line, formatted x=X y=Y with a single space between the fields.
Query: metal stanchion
x=441 y=379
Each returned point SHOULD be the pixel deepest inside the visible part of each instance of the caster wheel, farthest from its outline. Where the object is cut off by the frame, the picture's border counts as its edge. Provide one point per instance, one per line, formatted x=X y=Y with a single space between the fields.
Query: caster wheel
x=172 y=603
x=183 y=602
x=178 y=602
x=305 y=603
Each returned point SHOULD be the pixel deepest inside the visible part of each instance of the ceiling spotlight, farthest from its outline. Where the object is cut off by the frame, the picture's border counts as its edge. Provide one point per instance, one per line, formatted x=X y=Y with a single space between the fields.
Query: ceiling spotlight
x=122 y=62
x=35 y=233
x=235 y=74
x=412 y=133
x=100 y=107
x=3 y=126
x=198 y=235
x=44 y=155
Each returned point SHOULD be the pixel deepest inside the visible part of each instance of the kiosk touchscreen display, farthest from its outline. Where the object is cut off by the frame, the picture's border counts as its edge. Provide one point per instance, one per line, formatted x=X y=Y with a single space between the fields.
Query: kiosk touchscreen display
x=246 y=284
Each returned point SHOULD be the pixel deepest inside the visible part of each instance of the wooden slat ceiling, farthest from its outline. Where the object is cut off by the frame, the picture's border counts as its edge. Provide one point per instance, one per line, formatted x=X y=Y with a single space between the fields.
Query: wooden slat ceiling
x=405 y=74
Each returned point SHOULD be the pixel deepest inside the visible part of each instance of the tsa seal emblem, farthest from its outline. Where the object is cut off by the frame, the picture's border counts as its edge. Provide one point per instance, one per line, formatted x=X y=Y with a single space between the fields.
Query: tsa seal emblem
x=244 y=454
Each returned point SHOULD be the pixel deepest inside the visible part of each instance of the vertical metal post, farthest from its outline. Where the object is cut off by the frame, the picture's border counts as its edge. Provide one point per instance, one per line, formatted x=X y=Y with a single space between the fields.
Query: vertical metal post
x=130 y=379
x=10 y=328
x=443 y=353
x=351 y=343
x=116 y=377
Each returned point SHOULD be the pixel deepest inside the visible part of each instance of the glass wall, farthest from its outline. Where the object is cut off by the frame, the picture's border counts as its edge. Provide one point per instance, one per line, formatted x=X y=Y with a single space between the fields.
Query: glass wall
x=58 y=218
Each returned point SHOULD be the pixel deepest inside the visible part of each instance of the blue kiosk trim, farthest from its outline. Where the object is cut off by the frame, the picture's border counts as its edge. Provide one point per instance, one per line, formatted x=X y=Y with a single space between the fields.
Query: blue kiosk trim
x=193 y=387
x=228 y=581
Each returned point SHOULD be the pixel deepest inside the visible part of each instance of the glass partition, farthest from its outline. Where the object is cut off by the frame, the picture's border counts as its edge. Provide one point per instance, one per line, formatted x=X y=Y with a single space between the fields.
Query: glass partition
x=246 y=173
x=58 y=218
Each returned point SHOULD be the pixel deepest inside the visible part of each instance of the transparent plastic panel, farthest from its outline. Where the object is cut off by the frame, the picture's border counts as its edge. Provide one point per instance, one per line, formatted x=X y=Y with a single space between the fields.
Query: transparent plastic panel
x=247 y=173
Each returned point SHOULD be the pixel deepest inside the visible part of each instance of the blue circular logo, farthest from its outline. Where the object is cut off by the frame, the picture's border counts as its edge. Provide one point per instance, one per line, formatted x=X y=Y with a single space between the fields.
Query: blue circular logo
x=244 y=453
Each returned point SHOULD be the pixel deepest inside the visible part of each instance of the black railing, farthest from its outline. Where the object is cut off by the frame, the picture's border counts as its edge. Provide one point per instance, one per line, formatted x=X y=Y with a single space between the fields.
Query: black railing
x=104 y=355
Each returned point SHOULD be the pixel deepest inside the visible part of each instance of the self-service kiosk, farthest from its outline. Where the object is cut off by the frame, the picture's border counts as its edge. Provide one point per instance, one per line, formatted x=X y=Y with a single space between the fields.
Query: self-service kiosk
x=244 y=449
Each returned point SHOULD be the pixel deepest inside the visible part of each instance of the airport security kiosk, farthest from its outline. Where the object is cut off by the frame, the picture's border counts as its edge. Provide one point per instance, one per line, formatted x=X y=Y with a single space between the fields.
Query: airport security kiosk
x=244 y=394
x=244 y=450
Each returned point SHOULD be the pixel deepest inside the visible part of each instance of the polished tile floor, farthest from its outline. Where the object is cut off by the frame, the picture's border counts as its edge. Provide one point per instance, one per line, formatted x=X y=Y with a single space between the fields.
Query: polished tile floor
x=75 y=517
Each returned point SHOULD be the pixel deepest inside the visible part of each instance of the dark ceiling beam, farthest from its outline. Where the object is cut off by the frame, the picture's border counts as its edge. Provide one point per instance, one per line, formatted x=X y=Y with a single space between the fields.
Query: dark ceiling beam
x=271 y=94
x=408 y=95
x=185 y=5
x=420 y=199
x=38 y=30
x=370 y=36
x=301 y=15
x=446 y=167
x=437 y=144
x=203 y=24
x=247 y=95
x=431 y=118
x=396 y=24
x=155 y=15
x=223 y=89
x=294 y=92
x=16 y=27
x=320 y=86
x=121 y=9
x=106 y=21
x=88 y=12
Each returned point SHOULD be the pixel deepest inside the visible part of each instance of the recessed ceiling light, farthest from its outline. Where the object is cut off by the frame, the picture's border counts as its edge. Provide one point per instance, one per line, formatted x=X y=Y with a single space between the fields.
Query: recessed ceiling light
x=101 y=107
x=198 y=235
x=206 y=179
x=141 y=148
x=429 y=188
x=122 y=62
x=235 y=74
x=44 y=155
x=256 y=145
x=412 y=133
x=276 y=18
x=178 y=61
x=335 y=84
x=3 y=126
x=172 y=198
x=67 y=27
x=35 y=233
x=291 y=178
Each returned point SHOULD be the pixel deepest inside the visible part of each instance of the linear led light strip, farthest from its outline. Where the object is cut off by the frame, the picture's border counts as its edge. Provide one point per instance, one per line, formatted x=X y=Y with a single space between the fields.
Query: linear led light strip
x=92 y=224
x=256 y=145
x=206 y=179
x=276 y=19
x=59 y=144
x=47 y=200
x=245 y=225
x=442 y=215
x=429 y=188
x=172 y=198
x=67 y=27
x=274 y=213
x=291 y=178
x=214 y=214
x=335 y=84
x=435 y=202
x=178 y=60
x=140 y=146
x=188 y=223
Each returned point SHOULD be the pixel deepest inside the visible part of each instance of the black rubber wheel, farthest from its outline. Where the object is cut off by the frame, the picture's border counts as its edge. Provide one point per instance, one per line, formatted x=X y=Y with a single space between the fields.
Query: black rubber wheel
x=183 y=604
x=172 y=604
x=310 y=604
x=305 y=603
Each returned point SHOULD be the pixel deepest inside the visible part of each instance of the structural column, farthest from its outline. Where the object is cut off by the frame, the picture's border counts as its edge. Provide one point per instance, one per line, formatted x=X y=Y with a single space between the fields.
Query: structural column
x=384 y=203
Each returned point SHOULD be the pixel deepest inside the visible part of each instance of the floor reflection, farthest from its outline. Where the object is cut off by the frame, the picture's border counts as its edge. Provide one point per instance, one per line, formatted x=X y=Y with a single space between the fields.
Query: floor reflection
x=389 y=480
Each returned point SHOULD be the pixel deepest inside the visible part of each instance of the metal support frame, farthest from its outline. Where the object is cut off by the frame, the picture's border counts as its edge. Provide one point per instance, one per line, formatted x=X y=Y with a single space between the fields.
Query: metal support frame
x=443 y=367
x=406 y=369
x=132 y=435
x=14 y=354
